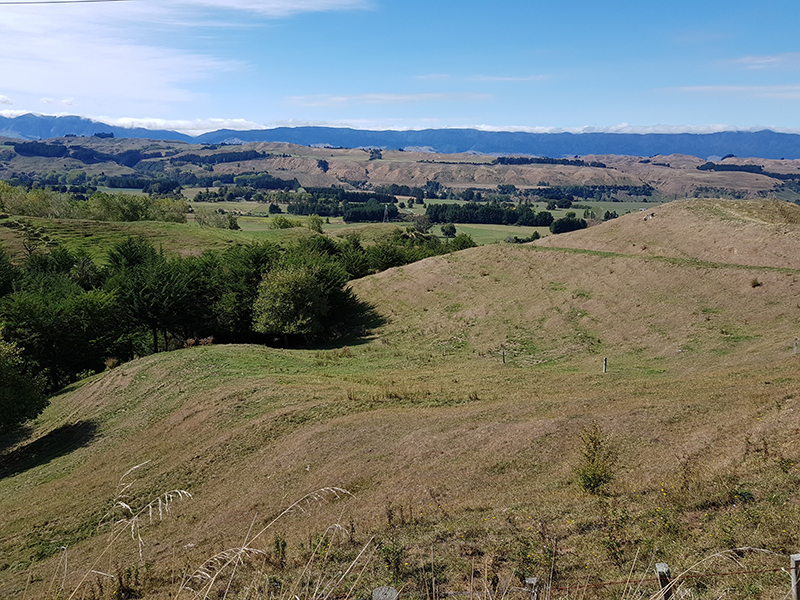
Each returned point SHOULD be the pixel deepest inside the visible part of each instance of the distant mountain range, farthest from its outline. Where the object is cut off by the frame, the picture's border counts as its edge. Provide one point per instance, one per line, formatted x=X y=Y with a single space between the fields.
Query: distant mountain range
x=757 y=144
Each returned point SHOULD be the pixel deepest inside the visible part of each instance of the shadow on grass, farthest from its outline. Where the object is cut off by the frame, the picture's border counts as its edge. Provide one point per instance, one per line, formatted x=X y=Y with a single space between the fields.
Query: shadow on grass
x=357 y=322
x=57 y=443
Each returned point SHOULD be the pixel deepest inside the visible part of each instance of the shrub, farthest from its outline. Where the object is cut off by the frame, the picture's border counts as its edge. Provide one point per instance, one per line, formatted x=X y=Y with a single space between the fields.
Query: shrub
x=281 y=222
x=314 y=223
x=596 y=470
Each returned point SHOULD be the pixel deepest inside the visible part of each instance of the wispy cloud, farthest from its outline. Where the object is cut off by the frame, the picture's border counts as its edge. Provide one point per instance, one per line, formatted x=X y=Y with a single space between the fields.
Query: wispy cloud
x=778 y=92
x=790 y=60
x=104 y=54
x=279 y=8
x=5 y=100
x=187 y=126
x=512 y=79
x=360 y=99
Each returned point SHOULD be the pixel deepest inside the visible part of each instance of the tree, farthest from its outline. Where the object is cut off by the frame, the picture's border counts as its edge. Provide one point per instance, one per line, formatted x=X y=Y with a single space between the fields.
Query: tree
x=62 y=328
x=449 y=230
x=314 y=223
x=9 y=273
x=290 y=302
x=422 y=223
x=160 y=294
x=567 y=223
x=304 y=297
x=21 y=396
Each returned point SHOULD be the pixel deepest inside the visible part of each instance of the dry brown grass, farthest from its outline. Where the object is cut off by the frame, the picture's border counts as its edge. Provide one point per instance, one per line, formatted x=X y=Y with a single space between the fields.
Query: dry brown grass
x=447 y=449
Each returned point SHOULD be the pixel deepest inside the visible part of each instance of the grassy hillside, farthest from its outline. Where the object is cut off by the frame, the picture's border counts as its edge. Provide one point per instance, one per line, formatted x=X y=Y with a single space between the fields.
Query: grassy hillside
x=672 y=176
x=457 y=427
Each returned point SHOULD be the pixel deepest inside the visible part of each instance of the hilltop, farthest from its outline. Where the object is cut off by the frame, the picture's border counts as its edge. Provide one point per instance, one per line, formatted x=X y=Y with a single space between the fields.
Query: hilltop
x=457 y=425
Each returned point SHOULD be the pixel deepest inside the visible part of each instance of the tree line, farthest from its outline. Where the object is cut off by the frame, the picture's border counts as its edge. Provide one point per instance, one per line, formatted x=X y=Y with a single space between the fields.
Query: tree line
x=100 y=206
x=63 y=315
x=494 y=213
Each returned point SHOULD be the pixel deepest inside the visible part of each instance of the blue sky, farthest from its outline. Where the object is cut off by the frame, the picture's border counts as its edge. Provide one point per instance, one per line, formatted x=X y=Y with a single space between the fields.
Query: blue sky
x=198 y=65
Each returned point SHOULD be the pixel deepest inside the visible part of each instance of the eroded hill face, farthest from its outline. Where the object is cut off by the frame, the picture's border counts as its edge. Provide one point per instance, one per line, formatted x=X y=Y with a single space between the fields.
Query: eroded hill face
x=457 y=426
x=672 y=176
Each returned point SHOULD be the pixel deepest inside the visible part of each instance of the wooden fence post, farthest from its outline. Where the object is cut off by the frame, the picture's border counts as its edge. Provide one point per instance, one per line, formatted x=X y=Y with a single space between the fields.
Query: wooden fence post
x=662 y=570
x=795 y=558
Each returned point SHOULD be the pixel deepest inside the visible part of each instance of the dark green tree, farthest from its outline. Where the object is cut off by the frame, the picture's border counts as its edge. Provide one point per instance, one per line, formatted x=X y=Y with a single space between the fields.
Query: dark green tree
x=21 y=396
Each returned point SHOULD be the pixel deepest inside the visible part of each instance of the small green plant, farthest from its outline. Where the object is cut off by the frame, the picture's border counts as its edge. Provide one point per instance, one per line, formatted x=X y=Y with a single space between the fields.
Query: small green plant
x=596 y=471
x=393 y=555
x=279 y=544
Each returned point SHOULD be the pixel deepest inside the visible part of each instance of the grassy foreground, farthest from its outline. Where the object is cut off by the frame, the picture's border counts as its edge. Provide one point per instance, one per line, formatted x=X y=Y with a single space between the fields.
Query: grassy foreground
x=456 y=428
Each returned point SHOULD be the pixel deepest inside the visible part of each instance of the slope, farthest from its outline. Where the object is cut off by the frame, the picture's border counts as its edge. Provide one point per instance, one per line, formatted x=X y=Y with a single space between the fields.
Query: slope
x=457 y=427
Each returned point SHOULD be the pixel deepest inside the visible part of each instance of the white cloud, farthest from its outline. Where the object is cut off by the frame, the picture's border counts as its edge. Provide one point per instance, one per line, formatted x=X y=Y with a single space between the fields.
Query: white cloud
x=785 y=60
x=187 y=126
x=104 y=55
x=333 y=100
x=280 y=8
x=5 y=100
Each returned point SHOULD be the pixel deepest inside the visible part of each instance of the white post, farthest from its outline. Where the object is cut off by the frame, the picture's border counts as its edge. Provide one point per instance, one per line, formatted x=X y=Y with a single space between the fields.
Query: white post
x=795 y=558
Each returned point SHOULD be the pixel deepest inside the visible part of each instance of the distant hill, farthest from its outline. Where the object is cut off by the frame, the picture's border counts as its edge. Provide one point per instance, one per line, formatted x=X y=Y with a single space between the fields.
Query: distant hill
x=759 y=144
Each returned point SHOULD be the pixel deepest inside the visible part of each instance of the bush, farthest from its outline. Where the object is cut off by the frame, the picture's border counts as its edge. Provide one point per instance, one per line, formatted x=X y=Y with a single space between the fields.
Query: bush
x=596 y=470
x=281 y=222
x=449 y=230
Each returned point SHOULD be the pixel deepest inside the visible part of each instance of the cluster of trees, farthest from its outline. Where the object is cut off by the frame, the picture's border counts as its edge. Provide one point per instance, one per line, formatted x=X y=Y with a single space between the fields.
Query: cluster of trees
x=401 y=190
x=535 y=160
x=494 y=213
x=62 y=315
x=596 y=192
x=569 y=222
x=371 y=212
x=100 y=206
x=757 y=169
x=220 y=157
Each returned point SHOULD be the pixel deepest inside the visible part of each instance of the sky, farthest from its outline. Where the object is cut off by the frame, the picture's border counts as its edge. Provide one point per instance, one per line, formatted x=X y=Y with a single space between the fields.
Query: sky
x=562 y=65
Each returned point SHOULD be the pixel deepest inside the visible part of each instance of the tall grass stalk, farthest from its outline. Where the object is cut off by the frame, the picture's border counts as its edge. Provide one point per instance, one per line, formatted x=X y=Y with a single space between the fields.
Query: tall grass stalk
x=159 y=505
x=207 y=574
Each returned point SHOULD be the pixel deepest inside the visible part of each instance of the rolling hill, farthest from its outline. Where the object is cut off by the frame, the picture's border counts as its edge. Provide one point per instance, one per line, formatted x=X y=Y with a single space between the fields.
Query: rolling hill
x=457 y=427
